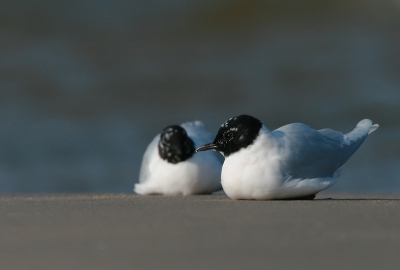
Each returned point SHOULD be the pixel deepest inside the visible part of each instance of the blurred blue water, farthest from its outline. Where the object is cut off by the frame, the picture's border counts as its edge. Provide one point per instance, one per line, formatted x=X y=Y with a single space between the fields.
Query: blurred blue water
x=86 y=85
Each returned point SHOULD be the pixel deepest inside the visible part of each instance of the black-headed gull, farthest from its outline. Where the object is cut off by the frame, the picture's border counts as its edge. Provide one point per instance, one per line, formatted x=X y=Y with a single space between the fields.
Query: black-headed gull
x=169 y=166
x=291 y=162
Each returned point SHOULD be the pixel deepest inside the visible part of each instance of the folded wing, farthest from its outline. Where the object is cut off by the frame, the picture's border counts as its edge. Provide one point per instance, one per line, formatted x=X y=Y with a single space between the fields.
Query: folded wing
x=309 y=153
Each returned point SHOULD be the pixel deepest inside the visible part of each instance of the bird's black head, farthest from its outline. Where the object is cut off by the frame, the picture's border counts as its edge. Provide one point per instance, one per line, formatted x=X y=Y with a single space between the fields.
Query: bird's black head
x=236 y=133
x=175 y=145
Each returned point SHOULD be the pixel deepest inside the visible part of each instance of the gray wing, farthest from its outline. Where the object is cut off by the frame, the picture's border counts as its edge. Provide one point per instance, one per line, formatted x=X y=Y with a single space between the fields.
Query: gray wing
x=308 y=153
x=198 y=133
x=200 y=136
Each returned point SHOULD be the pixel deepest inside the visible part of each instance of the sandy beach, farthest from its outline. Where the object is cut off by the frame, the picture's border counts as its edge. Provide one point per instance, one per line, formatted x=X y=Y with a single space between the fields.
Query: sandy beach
x=109 y=231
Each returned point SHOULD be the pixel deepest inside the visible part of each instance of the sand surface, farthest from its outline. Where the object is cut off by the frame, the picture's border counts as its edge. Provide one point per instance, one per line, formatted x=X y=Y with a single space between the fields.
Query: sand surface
x=106 y=231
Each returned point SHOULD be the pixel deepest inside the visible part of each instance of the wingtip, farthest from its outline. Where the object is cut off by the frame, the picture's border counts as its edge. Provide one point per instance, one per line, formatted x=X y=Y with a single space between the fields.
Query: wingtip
x=366 y=123
x=373 y=128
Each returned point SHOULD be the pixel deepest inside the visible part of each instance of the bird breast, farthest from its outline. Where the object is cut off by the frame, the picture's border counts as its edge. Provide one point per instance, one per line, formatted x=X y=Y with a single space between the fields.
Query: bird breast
x=252 y=172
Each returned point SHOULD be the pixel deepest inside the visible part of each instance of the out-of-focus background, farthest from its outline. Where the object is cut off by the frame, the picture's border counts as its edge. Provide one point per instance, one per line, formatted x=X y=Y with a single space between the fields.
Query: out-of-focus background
x=85 y=85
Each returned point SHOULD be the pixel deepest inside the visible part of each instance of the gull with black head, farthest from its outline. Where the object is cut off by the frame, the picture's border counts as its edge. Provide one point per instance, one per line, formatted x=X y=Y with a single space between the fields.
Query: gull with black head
x=169 y=166
x=291 y=162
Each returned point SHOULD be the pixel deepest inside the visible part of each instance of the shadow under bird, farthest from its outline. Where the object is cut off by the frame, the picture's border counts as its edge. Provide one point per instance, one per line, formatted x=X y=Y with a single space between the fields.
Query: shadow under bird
x=291 y=162
x=169 y=166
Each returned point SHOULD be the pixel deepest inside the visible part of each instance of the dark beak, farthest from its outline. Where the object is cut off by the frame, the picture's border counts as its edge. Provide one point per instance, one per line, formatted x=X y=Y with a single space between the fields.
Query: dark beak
x=208 y=146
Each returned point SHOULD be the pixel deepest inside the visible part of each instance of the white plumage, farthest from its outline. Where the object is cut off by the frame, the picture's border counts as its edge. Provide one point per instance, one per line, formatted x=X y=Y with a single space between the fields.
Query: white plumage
x=199 y=174
x=291 y=162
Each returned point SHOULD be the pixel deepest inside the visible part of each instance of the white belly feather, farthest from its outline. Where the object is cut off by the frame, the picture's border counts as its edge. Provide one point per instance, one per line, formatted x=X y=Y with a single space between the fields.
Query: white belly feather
x=256 y=173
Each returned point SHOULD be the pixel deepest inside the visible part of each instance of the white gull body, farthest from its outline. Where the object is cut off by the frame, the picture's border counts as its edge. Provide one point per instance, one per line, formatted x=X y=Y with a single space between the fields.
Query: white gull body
x=291 y=162
x=200 y=174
